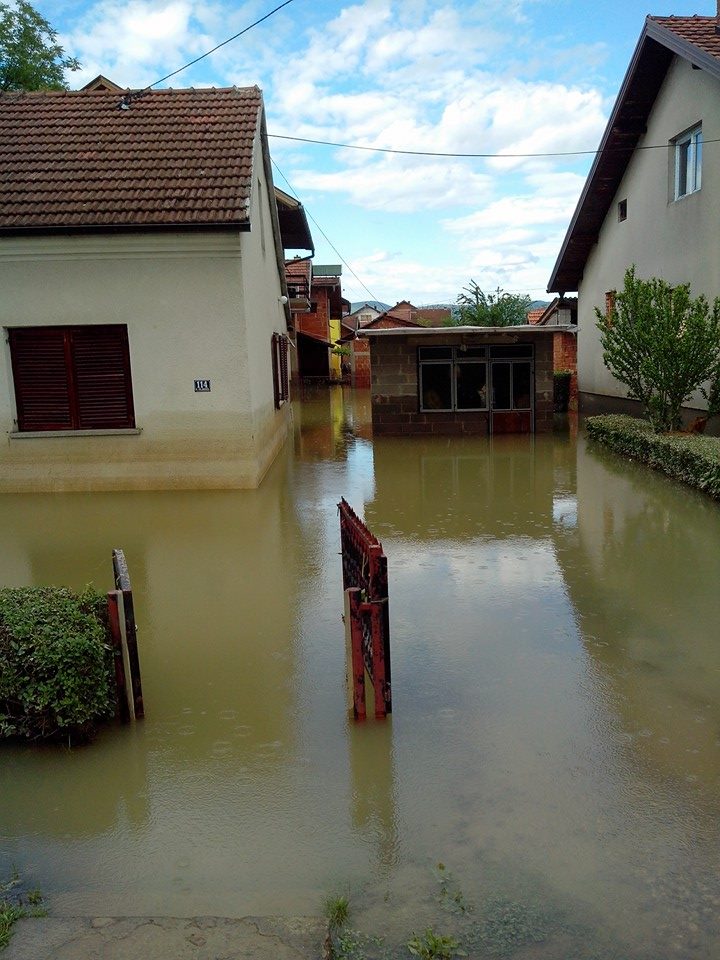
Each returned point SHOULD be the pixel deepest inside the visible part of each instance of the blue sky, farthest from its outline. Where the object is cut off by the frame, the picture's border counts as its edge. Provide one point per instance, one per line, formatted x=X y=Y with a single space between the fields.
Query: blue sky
x=499 y=76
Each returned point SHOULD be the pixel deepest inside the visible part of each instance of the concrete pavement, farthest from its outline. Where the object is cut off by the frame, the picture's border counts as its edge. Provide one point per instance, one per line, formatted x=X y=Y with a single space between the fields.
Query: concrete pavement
x=167 y=938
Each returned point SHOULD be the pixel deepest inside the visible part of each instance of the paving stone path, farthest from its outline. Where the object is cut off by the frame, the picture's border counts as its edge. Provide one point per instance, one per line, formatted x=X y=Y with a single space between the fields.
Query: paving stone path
x=167 y=938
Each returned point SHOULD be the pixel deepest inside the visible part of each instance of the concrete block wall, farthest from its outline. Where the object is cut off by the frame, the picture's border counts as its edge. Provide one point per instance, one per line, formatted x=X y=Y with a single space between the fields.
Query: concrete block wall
x=395 y=400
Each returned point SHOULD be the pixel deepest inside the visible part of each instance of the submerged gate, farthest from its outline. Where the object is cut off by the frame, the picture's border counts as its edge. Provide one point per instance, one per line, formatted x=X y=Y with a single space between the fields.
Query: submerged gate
x=365 y=582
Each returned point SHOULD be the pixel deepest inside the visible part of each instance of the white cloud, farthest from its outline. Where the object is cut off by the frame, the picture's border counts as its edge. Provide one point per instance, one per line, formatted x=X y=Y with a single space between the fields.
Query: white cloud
x=401 y=184
x=130 y=42
x=458 y=77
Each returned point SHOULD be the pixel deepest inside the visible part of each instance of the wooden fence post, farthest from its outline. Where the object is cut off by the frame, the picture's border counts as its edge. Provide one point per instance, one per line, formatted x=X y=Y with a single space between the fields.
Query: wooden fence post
x=122 y=582
x=122 y=709
x=357 y=662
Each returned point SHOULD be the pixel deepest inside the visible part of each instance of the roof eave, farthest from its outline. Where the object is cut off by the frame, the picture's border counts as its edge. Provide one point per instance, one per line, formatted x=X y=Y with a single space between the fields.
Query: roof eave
x=532 y=329
x=93 y=228
x=560 y=282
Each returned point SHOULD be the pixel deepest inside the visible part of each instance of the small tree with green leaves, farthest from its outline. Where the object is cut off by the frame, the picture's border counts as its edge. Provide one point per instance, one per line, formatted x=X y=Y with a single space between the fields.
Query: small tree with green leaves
x=475 y=308
x=30 y=56
x=663 y=345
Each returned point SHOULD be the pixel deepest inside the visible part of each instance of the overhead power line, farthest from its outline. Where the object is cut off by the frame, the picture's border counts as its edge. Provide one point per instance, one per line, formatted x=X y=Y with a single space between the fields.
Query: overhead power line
x=343 y=260
x=134 y=96
x=479 y=156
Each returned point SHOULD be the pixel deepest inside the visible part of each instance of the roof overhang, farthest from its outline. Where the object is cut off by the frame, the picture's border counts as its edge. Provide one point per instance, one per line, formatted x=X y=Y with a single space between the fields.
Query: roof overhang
x=294 y=228
x=649 y=64
x=241 y=226
x=483 y=332
x=315 y=339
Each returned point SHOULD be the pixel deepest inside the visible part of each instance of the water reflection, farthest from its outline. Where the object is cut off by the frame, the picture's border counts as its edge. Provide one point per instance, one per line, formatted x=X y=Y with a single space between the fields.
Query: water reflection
x=640 y=569
x=373 y=788
x=556 y=683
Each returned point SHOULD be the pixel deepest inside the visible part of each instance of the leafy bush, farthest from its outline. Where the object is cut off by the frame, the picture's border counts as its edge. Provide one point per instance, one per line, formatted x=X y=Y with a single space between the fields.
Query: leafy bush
x=688 y=457
x=55 y=663
x=663 y=345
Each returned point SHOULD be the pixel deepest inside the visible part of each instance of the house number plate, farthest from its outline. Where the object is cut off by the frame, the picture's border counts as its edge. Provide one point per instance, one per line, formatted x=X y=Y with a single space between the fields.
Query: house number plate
x=202 y=386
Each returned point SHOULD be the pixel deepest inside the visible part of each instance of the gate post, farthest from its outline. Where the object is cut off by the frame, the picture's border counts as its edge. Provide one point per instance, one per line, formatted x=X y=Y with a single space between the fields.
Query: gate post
x=357 y=663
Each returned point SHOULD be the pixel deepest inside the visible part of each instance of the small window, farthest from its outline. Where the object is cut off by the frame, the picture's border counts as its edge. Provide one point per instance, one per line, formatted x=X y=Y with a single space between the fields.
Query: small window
x=281 y=386
x=436 y=386
x=610 y=304
x=688 y=163
x=471 y=385
x=452 y=378
x=622 y=211
x=72 y=378
x=512 y=350
x=436 y=353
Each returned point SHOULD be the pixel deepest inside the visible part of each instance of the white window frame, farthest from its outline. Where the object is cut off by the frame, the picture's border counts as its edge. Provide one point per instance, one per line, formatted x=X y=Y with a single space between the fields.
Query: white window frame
x=688 y=162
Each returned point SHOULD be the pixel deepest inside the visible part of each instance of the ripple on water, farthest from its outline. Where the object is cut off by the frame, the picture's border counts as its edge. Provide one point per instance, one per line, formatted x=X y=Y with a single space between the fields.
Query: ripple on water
x=187 y=730
x=242 y=730
x=221 y=748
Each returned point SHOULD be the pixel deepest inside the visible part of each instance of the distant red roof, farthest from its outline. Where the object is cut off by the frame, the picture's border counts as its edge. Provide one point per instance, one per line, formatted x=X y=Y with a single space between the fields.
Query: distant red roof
x=177 y=158
x=298 y=269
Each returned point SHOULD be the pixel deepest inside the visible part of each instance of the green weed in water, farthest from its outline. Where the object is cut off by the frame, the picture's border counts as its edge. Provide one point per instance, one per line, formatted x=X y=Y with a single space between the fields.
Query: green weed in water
x=432 y=946
x=451 y=896
x=337 y=911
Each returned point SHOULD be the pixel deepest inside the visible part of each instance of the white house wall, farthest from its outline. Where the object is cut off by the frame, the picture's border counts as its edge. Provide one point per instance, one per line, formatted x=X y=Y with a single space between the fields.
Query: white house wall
x=675 y=240
x=189 y=316
x=265 y=314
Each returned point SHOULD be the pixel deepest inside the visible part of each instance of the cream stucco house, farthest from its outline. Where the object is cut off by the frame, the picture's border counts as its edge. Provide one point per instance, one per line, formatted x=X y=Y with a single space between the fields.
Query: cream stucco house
x=144 y=306
x=652 y=197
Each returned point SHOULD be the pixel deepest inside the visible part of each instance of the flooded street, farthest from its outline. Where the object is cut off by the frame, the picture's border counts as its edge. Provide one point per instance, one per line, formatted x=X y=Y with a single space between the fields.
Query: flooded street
x=555 y=739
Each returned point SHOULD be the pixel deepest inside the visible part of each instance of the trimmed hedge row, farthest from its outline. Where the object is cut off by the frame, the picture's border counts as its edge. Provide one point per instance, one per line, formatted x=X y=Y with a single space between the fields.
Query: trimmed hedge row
x=55 y=663
x=692 y=458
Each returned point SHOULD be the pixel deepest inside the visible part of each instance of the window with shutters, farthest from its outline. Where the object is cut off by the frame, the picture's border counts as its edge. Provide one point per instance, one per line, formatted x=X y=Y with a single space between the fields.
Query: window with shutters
x=281 y=384
x=72 y=378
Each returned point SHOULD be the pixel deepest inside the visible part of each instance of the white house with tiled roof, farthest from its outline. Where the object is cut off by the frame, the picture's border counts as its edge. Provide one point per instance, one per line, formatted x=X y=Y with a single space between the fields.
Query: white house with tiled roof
x=652 y=197
x=144 y=302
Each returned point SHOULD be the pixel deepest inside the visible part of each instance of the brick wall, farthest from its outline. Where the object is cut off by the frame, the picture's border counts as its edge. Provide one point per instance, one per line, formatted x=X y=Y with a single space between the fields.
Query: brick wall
x=361 y=363
x=565 y=358
x=316 y=323
x=395 y=401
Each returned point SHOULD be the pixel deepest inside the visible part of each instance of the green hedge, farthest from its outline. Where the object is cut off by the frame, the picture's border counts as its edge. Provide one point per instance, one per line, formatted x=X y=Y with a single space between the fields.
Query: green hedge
x=692 y=458
x=55 y=663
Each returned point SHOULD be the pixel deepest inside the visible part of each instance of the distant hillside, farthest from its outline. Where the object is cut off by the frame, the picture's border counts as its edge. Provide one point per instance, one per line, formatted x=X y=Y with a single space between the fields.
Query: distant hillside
x=537 y=304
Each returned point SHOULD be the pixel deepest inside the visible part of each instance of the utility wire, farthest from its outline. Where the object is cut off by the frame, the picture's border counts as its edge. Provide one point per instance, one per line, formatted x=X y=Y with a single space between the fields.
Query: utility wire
x=139 y=93
x=480 y=156
x=294 y=192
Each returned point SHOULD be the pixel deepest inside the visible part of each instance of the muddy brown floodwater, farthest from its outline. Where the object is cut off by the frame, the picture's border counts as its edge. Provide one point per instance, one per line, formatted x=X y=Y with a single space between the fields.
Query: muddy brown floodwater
x=555 y=740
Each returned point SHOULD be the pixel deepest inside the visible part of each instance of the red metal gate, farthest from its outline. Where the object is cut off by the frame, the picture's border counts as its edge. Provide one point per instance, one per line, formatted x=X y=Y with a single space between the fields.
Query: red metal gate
x=365 y=582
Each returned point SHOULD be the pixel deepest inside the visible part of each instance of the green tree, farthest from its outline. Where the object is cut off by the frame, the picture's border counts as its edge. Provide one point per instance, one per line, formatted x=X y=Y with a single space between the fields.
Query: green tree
x=663 y=345
x=475 y=308
x=30 y=56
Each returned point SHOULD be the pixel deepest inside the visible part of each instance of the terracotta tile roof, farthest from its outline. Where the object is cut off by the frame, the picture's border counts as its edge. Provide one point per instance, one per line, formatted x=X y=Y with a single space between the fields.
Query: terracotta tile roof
x=700 y=31
x=534 y=315
x=176 y=157
x=298 y=269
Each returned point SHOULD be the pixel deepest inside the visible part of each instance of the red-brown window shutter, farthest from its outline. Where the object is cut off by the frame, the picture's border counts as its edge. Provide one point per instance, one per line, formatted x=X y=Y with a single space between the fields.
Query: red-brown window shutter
x=40 y=374
x=101 y=368
x=281 y=386
x=72 y=378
